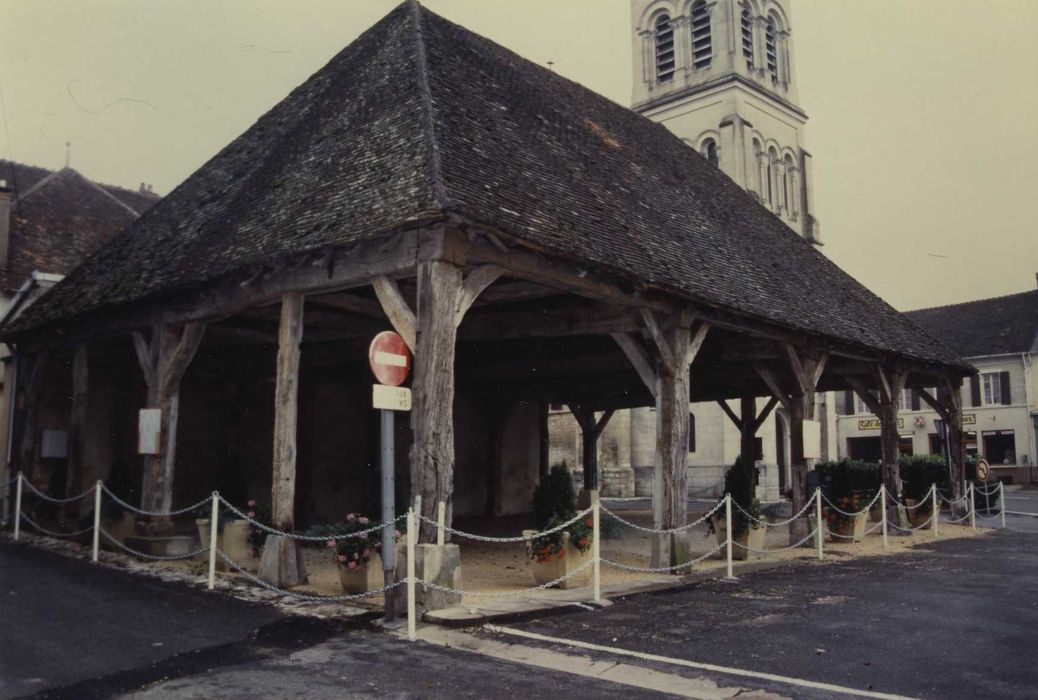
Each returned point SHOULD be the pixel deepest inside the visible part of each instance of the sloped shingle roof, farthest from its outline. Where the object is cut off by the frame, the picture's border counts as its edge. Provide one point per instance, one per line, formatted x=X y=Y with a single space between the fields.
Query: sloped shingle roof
x=58 y=218
x=998 y=326
x=419 y=115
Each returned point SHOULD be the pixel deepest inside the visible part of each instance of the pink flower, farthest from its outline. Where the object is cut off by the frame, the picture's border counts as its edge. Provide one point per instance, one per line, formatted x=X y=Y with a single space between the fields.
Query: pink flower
x=366 y=553
x=350 y=518
x=362 y=520
x=352 y=565
x=251 y=504
x=398 y=534
x=330 y=544
x=250 y=514
x=341 y=557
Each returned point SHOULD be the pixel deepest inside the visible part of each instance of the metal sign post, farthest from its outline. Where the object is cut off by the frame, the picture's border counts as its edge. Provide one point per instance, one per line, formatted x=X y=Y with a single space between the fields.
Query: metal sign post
x=390 y=363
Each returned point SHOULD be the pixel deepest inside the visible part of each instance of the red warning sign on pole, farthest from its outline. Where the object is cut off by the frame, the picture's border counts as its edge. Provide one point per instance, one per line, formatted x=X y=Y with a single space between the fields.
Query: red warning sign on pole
x=389 y=359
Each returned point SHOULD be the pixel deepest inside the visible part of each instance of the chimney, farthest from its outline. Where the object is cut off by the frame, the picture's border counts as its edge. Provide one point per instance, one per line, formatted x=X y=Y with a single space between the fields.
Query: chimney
x=5 y=222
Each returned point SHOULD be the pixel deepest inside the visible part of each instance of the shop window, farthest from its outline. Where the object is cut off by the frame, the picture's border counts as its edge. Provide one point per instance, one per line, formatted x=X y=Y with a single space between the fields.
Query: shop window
x=969 y=441
x=868 y=449
x=904 y=445
x=999 y=446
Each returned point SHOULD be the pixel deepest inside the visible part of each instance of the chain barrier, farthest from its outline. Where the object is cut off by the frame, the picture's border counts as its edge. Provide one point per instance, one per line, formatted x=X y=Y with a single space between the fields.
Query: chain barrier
x=925 y=500
x=955 y=521
x=303 y=538
x=778 y=523
x=32 y=489
x=154 y=513
x=52 y=533
x=520 y=538
x=663 y=569
x=917 y=528
x=998 y=514
x=681 y=528
x=762 y=552
x=153 y=557
x=306 y=597
x=950 y=501
x=836 y=508
x=995 y=488
x=509 y=594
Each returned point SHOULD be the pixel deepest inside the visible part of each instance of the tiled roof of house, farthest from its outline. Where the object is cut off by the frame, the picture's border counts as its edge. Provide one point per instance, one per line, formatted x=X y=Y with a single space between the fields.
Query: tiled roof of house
x=419 y=116
x=59 y=218
x=998 y=326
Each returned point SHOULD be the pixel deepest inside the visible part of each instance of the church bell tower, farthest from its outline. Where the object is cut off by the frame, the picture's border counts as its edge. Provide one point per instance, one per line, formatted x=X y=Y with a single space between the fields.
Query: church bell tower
x=719 y=74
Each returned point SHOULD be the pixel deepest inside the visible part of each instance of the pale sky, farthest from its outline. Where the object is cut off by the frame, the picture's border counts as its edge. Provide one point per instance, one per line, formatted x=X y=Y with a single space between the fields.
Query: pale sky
x=923 y=113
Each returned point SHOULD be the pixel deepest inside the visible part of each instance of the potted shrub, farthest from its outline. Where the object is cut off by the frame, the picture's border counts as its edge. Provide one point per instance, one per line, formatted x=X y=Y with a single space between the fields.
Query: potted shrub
x=560 y=553
x=740 y=482
x=238 y=539
x=848 y=526
x=357 y=558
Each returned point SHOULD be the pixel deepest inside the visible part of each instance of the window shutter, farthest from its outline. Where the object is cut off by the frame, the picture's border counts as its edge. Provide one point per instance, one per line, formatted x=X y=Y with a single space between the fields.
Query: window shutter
x=975 y=390
x=848 y=403
x=915 y=399
x=1003 y=378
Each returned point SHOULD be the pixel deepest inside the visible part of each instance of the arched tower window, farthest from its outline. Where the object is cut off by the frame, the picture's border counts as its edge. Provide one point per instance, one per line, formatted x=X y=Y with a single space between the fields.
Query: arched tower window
x=791 y=186
x=664 y=49
x=709 y=151
x=746 y=22
x=772 y=185
x=702 y=44
x=770 y=48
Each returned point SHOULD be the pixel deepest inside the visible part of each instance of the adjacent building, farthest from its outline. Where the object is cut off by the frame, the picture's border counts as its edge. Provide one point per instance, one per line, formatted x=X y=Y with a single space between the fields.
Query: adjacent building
x=999 y=337
x=720 y=76
x=50 y=221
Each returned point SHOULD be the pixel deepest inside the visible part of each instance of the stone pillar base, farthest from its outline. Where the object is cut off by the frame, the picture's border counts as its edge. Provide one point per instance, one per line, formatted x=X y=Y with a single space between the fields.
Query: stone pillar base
x=282 y=562
x=439 y=564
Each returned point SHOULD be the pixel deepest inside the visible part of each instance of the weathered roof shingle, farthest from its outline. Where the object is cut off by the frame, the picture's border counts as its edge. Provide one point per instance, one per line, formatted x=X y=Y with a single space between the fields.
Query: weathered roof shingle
x=420 y=115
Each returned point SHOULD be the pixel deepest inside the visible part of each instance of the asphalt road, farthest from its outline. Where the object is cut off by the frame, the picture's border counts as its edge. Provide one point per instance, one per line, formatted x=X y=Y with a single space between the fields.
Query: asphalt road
x=959 y=621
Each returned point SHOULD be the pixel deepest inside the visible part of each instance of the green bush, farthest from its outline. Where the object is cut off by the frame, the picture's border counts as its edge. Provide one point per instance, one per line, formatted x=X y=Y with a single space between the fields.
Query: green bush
x=920 y=472
x=555 y=502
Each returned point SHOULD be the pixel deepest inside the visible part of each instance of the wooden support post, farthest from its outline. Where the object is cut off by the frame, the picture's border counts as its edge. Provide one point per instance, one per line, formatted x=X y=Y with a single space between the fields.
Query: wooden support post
x=432 y=414
x=748 y=428
x=282 y=562
x=948 y=404
x=77 y=433
x=590 y=430
x=164 y=359
x=544 y=439
x=496 y=412
x=36 y=371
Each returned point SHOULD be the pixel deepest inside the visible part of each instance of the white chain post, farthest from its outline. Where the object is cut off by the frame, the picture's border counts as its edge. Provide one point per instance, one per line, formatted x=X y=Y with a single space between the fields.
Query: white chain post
x=596 y=552
x=728 y=532
x=412 y=535
x=935 y=513
x=97 y=518
x=214 y=528
x=1002 y=498
x=441 y=518
x=418 y=508
x=820 y=536
x=972 y=506
x=18 y=506
x=883 y=511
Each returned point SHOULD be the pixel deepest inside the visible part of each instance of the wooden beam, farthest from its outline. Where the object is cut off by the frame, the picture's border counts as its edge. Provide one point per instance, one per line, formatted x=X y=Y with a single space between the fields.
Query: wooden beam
x=348 y=302
x=772 y=382
x=765 y=412
x=656 y=334
x=397 y=310
x=638 y=358
x=865 y=394
x=474 y=285
x=697 y=342
x=286 y=408
x=730 y=413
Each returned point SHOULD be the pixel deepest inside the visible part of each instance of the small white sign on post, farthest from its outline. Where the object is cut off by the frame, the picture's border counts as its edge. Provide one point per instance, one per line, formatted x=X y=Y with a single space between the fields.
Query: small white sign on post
x=812 y=439
x=149 y=430
x=391 y=398
x=54 y=444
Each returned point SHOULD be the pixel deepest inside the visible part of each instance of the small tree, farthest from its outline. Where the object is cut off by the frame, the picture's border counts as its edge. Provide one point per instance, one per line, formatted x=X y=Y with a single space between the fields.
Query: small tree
x=554 y=503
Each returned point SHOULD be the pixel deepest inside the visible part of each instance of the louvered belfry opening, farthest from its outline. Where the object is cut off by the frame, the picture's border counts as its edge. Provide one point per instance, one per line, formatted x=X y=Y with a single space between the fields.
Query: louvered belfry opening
x=664 y=49
x=746 y=21
x=702 y=47
x=769 y=45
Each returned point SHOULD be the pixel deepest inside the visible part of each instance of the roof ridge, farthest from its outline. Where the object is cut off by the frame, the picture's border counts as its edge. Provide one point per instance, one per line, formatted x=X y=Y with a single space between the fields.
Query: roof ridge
x=435 y=165
x=970 y=301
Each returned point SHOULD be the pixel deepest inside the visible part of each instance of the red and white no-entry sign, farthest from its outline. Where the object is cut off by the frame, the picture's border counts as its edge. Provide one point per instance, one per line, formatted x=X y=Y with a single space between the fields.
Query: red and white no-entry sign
x=389 y=359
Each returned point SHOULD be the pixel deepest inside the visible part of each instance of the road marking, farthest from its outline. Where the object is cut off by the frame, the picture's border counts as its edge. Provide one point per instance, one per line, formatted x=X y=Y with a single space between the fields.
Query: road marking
x=628 y=674
x=1017 y=512
x=787 y=680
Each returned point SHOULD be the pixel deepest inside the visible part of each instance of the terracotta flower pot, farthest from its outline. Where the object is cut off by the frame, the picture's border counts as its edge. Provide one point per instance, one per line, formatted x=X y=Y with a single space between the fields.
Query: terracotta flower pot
x=918 y=516
x=363 y=578
x=751 y=537
x=569 y=559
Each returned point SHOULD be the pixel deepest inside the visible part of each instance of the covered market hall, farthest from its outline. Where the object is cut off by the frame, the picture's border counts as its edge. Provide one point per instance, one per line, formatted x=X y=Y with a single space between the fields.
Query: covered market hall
x=532 y=242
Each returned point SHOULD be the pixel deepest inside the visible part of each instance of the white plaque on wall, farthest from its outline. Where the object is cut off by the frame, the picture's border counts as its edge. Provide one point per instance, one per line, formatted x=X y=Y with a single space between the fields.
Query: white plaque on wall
x=149 y=430
x=54 y=444
x=812 y=439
